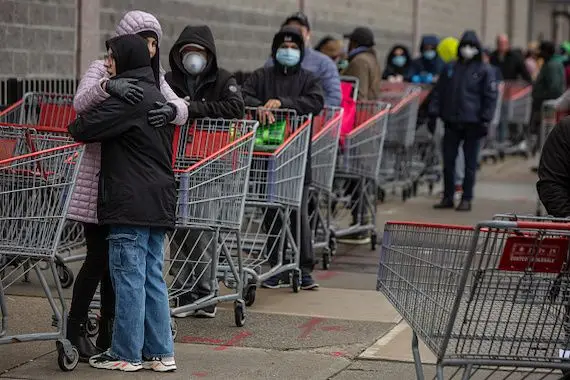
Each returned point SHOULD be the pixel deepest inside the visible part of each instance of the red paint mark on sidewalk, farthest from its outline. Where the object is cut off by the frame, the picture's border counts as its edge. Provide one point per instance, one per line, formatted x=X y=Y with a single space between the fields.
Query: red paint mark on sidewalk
x=233 y=341
x=197 y=339
x=309 y=327
x=321 y=276
x=200 y=374
x=339 y=354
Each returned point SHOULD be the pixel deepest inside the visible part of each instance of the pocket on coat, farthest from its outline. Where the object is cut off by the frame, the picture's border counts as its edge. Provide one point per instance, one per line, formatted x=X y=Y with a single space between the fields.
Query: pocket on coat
x=124 y=254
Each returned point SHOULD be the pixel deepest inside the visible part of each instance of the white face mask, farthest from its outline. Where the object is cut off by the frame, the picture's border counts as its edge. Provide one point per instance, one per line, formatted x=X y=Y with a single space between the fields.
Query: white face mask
x=468 y=52
x=194 y=63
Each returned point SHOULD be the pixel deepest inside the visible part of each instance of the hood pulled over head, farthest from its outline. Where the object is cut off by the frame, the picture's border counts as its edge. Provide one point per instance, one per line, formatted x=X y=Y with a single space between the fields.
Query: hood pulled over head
x=200 y=35
x=469 y=39
x=130 y=52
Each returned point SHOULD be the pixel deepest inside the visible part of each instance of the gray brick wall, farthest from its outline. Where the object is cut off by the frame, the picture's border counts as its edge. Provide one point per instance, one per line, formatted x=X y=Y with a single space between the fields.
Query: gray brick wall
x=37 y=37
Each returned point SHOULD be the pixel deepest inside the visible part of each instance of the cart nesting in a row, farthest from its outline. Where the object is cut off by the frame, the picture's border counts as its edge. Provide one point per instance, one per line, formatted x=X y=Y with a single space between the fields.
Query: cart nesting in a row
x=49 y=115
x=212 y=166
x=324 y=149
x=35 y=191
x=516 y=112
x=486 y=299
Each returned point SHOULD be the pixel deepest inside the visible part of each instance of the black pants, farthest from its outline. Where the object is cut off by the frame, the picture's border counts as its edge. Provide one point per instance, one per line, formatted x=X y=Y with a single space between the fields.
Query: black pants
x=95 y=269
x=274 y=227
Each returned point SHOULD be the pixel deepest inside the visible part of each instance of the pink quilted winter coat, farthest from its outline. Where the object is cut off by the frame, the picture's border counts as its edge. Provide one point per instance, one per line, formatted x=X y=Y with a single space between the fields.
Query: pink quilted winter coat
x=83 y=206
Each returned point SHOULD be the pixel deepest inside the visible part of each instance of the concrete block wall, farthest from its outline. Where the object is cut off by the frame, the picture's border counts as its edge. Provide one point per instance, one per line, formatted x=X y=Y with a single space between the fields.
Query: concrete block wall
x=38 y=37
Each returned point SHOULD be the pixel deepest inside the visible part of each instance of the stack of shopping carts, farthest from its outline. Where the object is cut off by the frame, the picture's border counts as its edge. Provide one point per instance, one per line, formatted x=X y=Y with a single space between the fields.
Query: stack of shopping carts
x=35 y=191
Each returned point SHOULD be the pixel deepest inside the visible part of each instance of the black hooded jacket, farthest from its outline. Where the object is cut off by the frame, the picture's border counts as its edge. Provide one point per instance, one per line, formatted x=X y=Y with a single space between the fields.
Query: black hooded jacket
x=215 y=92
x=391 y=69
x=466 y=92
x=295 y=87
x=554 y=171
x=136 y=182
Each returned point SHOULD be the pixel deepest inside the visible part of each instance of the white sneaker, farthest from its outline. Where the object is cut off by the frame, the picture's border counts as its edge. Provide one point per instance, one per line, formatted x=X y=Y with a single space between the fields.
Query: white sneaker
x=106 y=361
x=160 y=364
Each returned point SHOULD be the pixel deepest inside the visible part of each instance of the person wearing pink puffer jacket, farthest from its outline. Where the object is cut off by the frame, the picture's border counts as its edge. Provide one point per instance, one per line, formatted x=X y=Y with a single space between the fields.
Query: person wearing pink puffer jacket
x=94 y=88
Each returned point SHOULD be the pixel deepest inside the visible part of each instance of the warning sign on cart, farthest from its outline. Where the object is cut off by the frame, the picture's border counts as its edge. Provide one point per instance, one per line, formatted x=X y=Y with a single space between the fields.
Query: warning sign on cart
x=535 y=254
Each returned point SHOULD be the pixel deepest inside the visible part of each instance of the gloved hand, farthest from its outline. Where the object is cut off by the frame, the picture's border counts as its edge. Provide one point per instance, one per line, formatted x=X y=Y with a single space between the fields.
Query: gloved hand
x=125 y=89
x=163 y=114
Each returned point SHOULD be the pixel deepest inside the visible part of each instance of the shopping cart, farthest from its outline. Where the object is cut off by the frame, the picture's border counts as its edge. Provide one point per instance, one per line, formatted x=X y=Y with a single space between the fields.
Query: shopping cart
x=49 y=115
x=397 y=171
x=517 y=107
x=492 y=298
x=490 y=145
x=270 y=233
x=357 y=174
x=35 y=190
x=324 y=148
x=212 y=166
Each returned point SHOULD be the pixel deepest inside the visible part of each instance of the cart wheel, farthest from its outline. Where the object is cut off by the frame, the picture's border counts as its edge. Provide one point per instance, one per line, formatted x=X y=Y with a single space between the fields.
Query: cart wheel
x=430 y=188
x=92 y=327
x=326 y=260
x=332 y=246
x=249 y=296
x=295 y=281
x=67 y=363
x=239 y=313
x=373 y=241
x=65 y=276
x=415 y=188
x=173 y=328
x=405 y=195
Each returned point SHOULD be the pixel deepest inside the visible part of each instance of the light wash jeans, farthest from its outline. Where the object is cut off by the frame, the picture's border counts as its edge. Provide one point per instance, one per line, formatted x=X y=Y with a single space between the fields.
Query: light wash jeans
x=142 y=313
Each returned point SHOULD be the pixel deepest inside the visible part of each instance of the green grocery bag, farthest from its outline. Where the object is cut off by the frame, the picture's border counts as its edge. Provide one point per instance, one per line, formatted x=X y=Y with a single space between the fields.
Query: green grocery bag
x=270 y=136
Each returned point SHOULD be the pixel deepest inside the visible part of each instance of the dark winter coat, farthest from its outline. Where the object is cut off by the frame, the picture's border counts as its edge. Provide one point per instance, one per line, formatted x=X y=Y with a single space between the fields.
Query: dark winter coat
x=215 y=92
x=512 y=66
x=136 y=184
x=466 y=92
x=554 y=171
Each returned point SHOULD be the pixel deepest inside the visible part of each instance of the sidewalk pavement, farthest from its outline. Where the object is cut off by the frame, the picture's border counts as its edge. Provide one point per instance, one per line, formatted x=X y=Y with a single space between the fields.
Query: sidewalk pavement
x=344 y=331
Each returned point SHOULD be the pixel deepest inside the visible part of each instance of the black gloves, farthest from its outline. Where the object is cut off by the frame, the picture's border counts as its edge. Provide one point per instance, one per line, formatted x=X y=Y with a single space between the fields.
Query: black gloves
x=163 y=114
x=125 y=89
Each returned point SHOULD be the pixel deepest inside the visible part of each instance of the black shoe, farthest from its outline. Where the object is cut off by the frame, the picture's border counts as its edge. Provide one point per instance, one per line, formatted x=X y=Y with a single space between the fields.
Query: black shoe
x=77 y=336
x=445 y=203
x=206 y=312
x=464 y=206
x=105 y=334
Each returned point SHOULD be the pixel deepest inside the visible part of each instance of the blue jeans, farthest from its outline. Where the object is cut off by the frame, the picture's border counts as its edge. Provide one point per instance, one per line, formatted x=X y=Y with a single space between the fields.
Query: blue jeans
x=142 y=313
x=451 y=141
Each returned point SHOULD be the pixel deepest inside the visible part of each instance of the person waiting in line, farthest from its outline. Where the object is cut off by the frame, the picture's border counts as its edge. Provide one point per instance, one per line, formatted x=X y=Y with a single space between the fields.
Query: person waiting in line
x=209 y=91
x=316 y=62
x=427 y=67
x=332 y=48
x=95 y=87
x=286 y=85
x=137 y=202
x=363 y=63
x=398 y=65
x=465 y=98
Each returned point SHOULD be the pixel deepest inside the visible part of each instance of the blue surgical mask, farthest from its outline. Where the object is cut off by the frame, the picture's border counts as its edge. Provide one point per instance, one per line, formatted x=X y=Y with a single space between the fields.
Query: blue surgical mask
x=399 y=60
x=288 y=57
x=430 y=54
